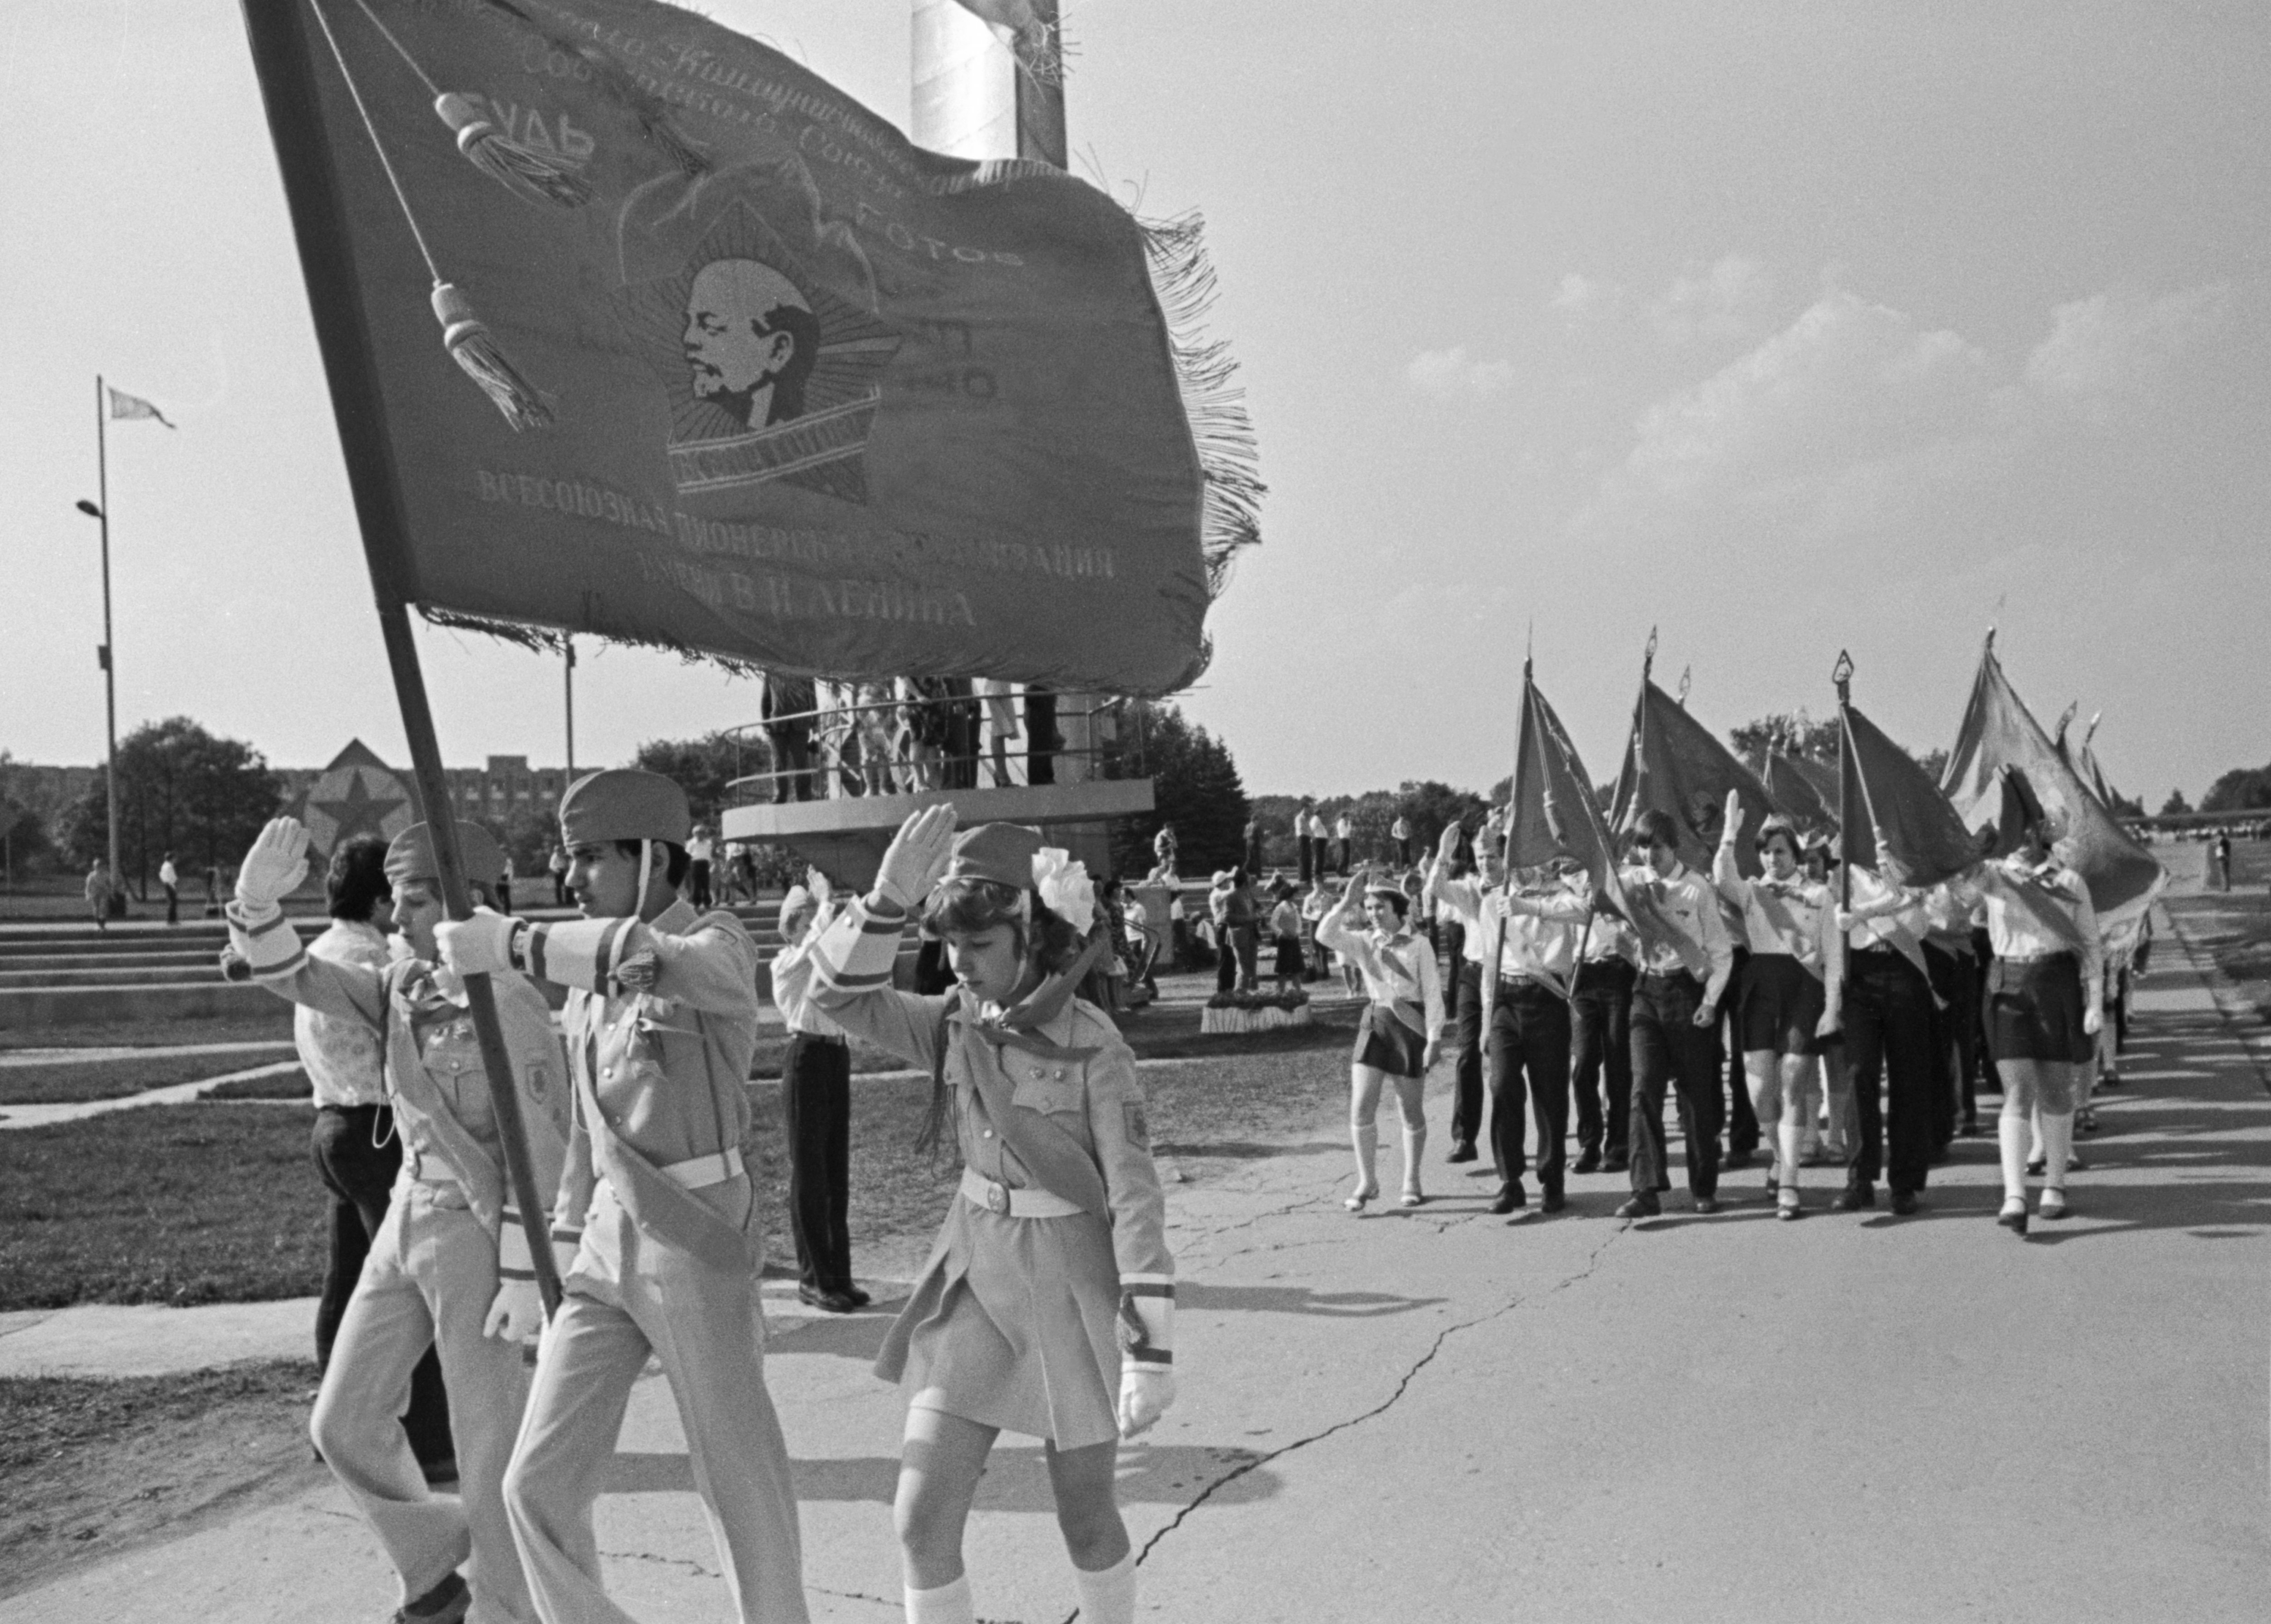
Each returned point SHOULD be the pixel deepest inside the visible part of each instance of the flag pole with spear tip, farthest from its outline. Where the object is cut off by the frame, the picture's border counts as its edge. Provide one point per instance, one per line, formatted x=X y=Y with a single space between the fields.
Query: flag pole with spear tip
x=1842 y=673
x=281 y=54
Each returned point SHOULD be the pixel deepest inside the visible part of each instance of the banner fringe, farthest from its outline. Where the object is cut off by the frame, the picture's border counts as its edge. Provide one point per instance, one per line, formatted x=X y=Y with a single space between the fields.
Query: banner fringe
x=527 y=175
x=1230 y=456
x=552 y=640
x=474 y=348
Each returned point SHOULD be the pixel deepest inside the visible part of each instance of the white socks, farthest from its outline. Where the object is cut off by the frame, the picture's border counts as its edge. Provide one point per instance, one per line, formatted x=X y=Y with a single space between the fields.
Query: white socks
x=1415 y=1146
x=1789 y=1150
x=1109 y=1596
x=949 y=1603
x=2012 y=1132
x=2058 y=1145
x=1367 y=1152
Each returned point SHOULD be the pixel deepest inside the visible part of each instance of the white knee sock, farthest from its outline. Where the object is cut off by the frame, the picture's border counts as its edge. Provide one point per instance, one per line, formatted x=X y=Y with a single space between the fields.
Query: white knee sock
x=1108 y=1597
x=2010 y=1133
x=1788 y=1139
x=1415 y=1144
x=2058 y=1145
x=949 y=1603
x=2035 y=1149
x=1366 y=1140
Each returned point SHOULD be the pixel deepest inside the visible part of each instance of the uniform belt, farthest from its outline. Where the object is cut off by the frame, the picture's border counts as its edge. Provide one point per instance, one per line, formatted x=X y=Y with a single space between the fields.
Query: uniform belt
x=995 y=1196
x=701 y=1172
x=2032 y=958
x=1522 y=984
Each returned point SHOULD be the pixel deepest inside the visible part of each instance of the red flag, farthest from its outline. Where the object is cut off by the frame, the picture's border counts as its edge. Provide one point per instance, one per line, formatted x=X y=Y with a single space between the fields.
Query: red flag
x=2000 y=732
x=1673 y=764
x=1805 y=792
x=1901 y=825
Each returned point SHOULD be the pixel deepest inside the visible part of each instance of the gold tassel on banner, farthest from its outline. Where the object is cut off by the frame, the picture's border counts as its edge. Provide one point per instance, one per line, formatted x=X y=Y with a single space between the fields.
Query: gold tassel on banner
x=474 y=348
x=526 y=174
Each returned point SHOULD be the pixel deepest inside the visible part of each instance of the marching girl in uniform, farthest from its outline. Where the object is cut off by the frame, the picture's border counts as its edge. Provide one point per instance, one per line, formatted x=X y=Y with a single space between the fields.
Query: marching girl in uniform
x=1400 y=1032
x=1047 y=1305
x=1789 y=996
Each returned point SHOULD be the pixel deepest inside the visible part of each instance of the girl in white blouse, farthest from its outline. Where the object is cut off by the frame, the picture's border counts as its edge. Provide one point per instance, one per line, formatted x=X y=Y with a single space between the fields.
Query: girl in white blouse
x=1398 y=1039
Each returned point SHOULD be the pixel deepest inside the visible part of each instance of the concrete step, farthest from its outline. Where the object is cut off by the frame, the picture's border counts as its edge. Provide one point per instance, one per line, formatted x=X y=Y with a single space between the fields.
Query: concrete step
x=190 y=961
x=30 y=1009
x=112 y=975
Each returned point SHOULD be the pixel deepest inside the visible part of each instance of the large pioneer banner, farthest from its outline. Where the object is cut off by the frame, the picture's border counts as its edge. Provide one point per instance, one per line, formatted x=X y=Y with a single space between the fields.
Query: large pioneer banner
x=723 y=361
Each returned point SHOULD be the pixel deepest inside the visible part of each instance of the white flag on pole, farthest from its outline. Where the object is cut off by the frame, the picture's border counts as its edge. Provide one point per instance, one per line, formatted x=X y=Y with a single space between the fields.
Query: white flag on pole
x=123 y=404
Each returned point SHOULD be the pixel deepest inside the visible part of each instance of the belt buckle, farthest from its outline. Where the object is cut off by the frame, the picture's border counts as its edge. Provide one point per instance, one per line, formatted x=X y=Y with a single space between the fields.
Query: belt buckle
x=997 y=1196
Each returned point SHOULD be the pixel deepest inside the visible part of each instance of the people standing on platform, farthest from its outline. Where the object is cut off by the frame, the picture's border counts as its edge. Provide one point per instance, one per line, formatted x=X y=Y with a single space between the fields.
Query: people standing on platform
x=1397 y=1041
x=1047 y=1308
x=1164 y=850
x=815 y=1108
x=1042 y=740
x=357 y=1151
x=1001 y=701
x=655 y=1207
x=1252 y=843
x=450 y=1266
x=785 y=707
x=1400 y=831
x=1887 y=1026
x=504 y=886
x=1319 y=902
x=875 y=721
x=1304 y=854
x=2044 y=1009
x=700 y=848
x=1285 y=942
x=1675 y=1021
x=170 y=878
x=1791 y=993
x=1342 y=828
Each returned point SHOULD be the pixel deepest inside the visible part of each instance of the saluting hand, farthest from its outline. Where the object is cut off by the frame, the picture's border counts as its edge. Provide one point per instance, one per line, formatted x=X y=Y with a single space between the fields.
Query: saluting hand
x=273 y=868
x=916 y=856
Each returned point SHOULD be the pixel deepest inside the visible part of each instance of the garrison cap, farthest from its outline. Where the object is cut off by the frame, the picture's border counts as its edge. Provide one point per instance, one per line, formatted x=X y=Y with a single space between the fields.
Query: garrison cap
x=624 y=803
x=1002 y=852
x=410 y=855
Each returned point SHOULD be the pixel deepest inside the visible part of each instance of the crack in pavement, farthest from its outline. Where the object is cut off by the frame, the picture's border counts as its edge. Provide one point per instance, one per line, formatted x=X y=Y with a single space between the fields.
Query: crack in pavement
x=1442 y=1338
x=665 y=1562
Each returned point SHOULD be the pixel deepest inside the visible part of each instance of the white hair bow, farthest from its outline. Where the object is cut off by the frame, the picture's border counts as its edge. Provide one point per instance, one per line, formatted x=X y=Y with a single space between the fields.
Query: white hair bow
x=1065 y=886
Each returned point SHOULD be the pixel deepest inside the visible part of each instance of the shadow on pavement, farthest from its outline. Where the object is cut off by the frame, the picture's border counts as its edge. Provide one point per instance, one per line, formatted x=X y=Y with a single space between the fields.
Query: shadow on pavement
x=1016 y=1477
x=1297 y=1300
x=1242 y=1149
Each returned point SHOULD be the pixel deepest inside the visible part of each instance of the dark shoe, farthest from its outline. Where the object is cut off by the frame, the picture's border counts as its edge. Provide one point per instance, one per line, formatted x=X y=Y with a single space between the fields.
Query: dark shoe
x=1736 y=1158
x=1511 y=1198
x=829 y=1302
x=1707 y=1204
x=1588 y=1161
x=1641 y=1207
x=1461 y=1151
x=439 y=1474
x=2038 y=1166
x=2013 y=1216
x=445 y=1603
x=1939 y=1156
x=1904 y=1202
x=1859 y=1197
x=1616 y=1161
x=1969 y=1130
x=1554 y=1200
x=860 y=1299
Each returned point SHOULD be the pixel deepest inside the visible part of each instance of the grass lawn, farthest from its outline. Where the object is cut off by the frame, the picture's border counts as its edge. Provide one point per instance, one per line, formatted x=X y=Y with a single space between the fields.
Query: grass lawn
x=177 y=1204
x=87 y=1465
x=63 y=1081
x=260 y=1028
x=291 y=1084
x=2234 y=926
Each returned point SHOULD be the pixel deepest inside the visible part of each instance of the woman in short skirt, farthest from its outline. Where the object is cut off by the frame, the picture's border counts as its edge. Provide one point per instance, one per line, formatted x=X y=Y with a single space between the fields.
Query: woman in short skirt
x=1791 y=987
x=1402 y=1025
x=1047 y=1305
x=2043 y=1012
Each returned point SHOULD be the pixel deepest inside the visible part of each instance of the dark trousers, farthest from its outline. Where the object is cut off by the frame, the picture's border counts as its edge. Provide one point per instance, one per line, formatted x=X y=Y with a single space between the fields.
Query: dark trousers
x=1301 y=854
x=358 y=1169
x=173 y=905
x=1888 y=1044
x=792 y=745
x=1467 y=1076
x=1601 y=1053
x=1529 y=1045
x=1742 y=1120
x=1226 y=960
x=1344 y=858
x=816 y=1116
x=1951 y=976
x=1669 y=1047
x=697 y=884
x=1041 y=739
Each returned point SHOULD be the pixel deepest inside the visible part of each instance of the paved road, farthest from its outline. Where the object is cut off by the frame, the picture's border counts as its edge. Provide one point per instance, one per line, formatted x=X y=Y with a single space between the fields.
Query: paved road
x=1443 y=1416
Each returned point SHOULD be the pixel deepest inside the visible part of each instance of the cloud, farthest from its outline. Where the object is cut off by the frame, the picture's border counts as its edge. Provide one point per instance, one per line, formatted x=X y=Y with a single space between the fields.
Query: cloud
x=2107 y=351
x=1579 y=298
x=1453 y=375
x=1715 y=305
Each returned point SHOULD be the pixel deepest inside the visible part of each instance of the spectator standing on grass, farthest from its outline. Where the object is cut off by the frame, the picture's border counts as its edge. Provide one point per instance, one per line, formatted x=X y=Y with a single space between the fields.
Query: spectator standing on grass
x=1400 y=831
x=504 y=886
x=1342 y=831
x=1253 y=846
x=357 y=1151
x=450 y=1266
x=98 y=888
x=815 y=1108
x=170 y=878
x=700 y=848
x=2220 y=849
x=556 y=866
x=1285 y=941
x=1302 y=856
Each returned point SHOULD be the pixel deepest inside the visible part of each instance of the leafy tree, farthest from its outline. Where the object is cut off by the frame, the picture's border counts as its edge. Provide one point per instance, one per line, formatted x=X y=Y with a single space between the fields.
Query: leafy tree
x=2243 y=789
x=2127 y=806
x=1194 y=786
x=2176 y=805
x=704 y=768
x=180 y=789
x=23 y=824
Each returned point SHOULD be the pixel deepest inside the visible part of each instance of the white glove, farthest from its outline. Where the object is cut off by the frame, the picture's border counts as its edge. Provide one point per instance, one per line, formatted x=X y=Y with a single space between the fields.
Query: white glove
x=2093 y=1020
x=916 y=856
x=517 y=1314
x=273 y=868
x=1145 y=1392
x=478 y=946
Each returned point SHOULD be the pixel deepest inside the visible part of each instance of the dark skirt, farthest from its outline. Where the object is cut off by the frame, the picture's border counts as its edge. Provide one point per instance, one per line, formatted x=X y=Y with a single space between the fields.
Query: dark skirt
x=2034 y=1010
x=1289 y=961
x=1385 y=1044
x=1781 y=1005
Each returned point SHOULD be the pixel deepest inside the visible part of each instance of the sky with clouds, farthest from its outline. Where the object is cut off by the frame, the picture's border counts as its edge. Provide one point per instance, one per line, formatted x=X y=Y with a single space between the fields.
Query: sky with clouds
x=1783 y=328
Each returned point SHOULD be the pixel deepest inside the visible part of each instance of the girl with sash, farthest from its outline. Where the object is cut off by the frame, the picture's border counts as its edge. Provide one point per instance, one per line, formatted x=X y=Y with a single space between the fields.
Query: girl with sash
x=1402 y=1025
x=450 y=1266
x=1047 y=1305
x=1789 y=994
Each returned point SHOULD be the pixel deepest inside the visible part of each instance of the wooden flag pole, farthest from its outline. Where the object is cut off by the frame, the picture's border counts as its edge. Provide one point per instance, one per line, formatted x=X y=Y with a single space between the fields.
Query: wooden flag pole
x=1842 y=673
x=280 y=59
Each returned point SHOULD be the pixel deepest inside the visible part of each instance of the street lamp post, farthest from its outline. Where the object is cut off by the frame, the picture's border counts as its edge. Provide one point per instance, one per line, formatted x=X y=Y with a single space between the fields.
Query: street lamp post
x=100 y=512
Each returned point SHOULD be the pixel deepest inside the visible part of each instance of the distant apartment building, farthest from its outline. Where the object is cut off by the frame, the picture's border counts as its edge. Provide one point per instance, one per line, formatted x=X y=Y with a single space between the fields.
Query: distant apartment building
x=507 y=785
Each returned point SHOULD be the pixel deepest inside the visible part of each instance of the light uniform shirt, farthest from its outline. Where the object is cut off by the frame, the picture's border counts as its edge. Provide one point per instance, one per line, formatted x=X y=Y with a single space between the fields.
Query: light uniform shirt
x=1527 y=941
x=345 y=1058
x=1794 y=917
x=1690 y=904
x=2016 y=933
x=1397 y=969
x=1900 y=929
x=793 y=982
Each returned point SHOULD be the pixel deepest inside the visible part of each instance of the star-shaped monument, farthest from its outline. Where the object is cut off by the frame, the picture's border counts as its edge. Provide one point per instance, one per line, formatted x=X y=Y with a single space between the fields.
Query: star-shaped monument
x=358 y=812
